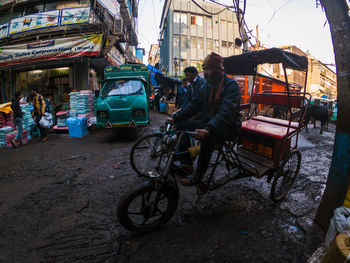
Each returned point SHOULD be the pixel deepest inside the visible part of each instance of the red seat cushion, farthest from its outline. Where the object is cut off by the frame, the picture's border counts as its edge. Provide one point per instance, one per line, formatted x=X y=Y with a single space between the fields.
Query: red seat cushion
x=280 y=122
x=265 y=128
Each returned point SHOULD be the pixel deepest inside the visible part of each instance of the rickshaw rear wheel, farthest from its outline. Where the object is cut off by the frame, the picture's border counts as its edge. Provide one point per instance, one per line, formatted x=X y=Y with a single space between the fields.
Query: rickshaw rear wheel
x=285 y=176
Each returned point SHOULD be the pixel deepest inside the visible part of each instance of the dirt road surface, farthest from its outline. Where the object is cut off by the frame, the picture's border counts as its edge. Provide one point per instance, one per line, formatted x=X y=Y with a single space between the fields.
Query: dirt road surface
x=58 y=204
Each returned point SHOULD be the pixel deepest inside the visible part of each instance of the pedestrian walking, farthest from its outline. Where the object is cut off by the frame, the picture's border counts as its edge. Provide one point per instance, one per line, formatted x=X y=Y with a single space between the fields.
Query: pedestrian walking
x=39 y=111
x=18 y=116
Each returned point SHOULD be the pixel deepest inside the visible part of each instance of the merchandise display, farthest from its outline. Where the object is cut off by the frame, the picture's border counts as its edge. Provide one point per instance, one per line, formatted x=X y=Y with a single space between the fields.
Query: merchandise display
x=3 y=132
x=82 y=104
x=12 y=135
x=73 y=100
x=61 y=119
x=7 y=120
x=27 y=117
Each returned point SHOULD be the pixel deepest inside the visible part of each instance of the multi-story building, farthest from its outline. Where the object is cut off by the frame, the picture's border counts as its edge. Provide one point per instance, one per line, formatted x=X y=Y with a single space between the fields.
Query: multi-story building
x=188 y=34
x=153 y=55
x=321 y=80
x=64 y=44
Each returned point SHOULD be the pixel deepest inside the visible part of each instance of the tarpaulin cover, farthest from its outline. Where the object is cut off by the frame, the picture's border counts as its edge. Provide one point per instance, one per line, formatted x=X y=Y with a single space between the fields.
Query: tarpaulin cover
x=6 y=108
x=153 y=71
x=246 y=63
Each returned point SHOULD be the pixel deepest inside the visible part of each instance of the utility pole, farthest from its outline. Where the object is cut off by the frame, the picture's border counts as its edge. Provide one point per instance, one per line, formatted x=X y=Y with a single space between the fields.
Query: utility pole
x=339 y=172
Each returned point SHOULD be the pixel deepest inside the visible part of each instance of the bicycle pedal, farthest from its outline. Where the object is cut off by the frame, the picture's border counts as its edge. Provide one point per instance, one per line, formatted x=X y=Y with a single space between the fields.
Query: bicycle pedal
x=153 y=174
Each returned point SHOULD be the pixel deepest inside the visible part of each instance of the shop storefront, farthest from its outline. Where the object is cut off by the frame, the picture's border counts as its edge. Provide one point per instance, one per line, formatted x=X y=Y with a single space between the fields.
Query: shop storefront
x=57 y=65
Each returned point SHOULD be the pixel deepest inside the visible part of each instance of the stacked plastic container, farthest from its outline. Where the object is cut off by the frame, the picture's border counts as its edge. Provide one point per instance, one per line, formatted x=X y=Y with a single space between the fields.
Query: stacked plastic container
x=62 y=118
x=3 y=132
x=9 y=121
x=73 y=100
x=77 y=126
x=83 y=103
x=27 y=117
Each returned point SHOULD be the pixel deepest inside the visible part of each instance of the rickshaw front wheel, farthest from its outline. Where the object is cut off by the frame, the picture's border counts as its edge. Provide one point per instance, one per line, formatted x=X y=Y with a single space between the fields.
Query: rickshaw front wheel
x=285 y=176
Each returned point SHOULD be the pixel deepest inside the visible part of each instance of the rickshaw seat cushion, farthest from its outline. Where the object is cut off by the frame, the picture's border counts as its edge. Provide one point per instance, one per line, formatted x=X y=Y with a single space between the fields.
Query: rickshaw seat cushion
x=268 y=129
x=284 y=123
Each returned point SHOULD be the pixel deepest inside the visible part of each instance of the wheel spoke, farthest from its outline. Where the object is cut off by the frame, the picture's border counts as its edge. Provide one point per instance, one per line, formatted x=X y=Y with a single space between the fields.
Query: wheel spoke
x=142 y=147
x=286 y=176
x=134 y=213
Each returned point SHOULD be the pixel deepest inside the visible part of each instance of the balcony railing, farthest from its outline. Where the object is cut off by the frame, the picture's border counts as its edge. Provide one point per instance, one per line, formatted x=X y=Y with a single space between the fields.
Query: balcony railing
x=64 y=17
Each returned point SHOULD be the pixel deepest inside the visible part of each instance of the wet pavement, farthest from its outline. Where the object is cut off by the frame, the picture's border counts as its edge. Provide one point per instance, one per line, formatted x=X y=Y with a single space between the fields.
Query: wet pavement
x=58 y=204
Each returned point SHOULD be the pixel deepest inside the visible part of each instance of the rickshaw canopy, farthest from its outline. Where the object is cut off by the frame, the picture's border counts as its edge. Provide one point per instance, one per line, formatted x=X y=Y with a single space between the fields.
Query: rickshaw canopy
x=246 y=63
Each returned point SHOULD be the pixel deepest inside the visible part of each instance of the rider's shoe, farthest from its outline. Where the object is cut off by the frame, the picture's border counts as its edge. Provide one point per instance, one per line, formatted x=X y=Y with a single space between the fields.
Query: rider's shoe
x=190 y=180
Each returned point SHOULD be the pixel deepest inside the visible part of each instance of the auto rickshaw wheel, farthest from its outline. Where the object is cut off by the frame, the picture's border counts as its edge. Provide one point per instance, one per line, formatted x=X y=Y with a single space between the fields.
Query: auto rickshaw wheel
x=285 y=176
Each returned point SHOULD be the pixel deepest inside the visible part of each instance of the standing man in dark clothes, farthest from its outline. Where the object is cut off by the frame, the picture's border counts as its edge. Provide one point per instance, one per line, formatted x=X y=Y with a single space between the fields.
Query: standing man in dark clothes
x=182 y=98
x=217 y=116
x=195 y=81
x=39 y=111
x=18 y=116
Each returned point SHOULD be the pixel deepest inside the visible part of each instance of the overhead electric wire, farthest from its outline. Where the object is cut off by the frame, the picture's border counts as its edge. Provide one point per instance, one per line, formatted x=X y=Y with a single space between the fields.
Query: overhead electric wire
x=210 y=13
x=278 y=10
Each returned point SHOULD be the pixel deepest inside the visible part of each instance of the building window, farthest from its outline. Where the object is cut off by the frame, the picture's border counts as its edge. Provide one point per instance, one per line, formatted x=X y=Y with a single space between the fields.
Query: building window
x=200 y=43
x=184 y=43
x=193 y=42
x=209 y=24
x=217 y=44
x=176 y=18
x=193 y=20
x=224 y=44
x=176 y=41
x=209 y=44
x=199 y=21
x=50 y=6
x=184 y=19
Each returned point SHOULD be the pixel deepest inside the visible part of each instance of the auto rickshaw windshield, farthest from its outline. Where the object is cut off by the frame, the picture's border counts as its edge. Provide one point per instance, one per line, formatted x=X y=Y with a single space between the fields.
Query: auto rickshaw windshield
x=115 y=87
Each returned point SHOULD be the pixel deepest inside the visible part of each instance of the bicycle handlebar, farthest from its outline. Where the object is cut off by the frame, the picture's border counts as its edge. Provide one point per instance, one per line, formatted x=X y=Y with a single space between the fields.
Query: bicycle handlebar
x=188 y=133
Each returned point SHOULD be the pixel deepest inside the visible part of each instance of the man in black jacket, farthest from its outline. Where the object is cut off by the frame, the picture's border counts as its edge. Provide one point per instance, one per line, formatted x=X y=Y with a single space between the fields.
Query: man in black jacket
x=217 y=117
x=194 y=81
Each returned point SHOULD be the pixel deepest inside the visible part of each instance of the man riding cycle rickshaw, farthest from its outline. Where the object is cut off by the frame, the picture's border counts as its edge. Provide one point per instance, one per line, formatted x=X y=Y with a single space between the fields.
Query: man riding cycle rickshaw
x=213 y=115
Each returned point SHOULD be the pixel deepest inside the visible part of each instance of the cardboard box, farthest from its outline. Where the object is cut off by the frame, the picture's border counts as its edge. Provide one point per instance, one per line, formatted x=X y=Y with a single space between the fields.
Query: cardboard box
x=170 y=108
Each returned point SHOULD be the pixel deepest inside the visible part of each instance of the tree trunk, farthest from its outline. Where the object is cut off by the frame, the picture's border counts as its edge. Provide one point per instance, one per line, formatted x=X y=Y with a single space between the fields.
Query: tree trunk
x=339 y=173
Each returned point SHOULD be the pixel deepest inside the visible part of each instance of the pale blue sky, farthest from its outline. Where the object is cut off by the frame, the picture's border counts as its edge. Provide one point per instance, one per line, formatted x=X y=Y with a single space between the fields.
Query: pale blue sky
x=281 y=22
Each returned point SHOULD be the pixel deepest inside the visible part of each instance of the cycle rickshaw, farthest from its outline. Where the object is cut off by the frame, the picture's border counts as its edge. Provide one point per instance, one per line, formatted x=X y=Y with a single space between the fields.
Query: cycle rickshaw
x=265 y=147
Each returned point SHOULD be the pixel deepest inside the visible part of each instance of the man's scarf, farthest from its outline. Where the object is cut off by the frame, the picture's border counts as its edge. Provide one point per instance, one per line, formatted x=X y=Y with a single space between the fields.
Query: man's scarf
x=217 y=62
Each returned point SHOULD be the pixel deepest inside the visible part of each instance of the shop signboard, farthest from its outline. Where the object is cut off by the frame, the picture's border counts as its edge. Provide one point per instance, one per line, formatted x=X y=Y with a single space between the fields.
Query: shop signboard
x=78 y=15
x=5 y=2
x=112 y=6
x=115 y=57
x=88 y=45
x=4 y=30
x=34 y=21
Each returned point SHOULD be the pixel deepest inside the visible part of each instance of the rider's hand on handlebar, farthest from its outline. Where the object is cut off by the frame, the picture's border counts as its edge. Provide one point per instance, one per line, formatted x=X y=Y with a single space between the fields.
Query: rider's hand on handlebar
x=169 y=120
x=201 y=133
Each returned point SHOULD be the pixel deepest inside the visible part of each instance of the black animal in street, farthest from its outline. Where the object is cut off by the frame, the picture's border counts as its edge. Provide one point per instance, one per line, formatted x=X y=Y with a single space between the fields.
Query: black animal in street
x=316 y=113
x=280 y=111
